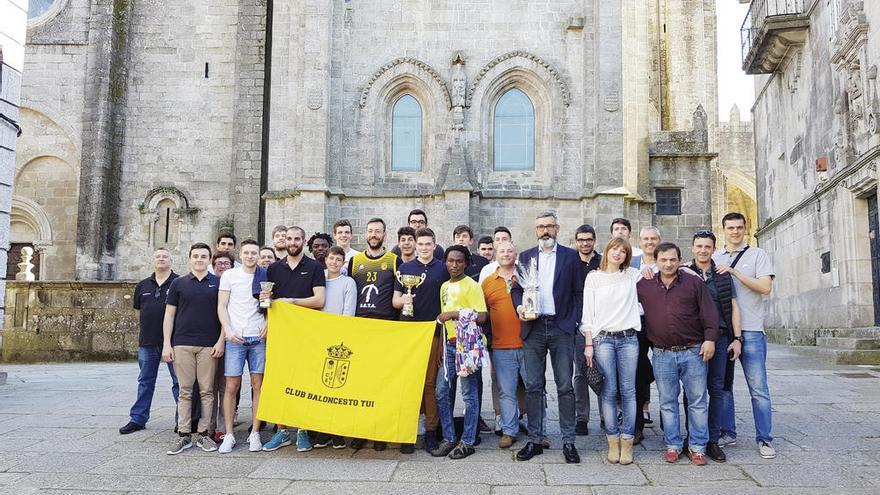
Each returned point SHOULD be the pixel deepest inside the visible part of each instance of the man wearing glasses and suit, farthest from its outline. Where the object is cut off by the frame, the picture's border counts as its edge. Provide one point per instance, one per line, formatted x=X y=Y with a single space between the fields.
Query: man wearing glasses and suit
x=149 y=305
x=560 y=294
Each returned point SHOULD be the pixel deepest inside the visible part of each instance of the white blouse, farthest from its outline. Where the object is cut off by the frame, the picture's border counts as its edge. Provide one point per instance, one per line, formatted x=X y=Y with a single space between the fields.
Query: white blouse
x=611 y=302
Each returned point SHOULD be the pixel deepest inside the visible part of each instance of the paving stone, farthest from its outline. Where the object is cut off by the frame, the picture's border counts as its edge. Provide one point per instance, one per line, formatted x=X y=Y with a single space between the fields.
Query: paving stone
x=189 y=463
x=319 y=469
x=83 y=481
x=450 y=471
x=366 y=488
x=10 y=478
x=60 y=462
x=594 y=473
x=237 y=485
x=787 y=475
x=704 y=476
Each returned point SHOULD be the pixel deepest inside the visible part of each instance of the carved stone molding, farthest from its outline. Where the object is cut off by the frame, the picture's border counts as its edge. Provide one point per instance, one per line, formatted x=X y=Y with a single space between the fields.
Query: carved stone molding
x=563 y=86
x=417 y=64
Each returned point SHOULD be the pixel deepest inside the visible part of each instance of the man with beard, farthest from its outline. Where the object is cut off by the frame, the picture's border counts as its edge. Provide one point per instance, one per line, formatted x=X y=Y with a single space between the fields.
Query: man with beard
x=585 y=240
x=560 y=294
x=374 y=272
x=318 y=245
x=298 y=280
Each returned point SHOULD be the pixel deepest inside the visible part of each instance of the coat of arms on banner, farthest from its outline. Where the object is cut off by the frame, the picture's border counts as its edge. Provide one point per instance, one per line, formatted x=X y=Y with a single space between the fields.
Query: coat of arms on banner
x=336 y=366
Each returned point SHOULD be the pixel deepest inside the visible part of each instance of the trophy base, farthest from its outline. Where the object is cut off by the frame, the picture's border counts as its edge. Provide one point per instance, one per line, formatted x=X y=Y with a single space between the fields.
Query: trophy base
x=266 y=304
x=530 y=316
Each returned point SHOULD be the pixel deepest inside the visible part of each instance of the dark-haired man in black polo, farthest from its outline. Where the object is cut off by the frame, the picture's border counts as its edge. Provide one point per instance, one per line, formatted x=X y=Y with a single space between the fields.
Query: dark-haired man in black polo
x=298 y=280
x=192 y=341
x=149 y=305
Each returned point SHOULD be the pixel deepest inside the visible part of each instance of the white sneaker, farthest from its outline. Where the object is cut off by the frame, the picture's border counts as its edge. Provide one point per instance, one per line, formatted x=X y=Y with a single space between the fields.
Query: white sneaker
x=726 y=441
x=255 y=444
x=227 y=444
x=766 y=450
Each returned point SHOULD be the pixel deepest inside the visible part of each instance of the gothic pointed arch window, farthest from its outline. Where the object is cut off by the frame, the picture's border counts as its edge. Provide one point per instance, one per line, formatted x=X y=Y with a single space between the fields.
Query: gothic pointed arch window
x=514 y=132
x=406 y=134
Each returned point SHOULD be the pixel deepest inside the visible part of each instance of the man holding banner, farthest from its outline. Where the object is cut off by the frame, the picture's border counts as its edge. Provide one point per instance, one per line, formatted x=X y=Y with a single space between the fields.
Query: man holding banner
x=299 y=280
x=425 y=301
x=374 y=272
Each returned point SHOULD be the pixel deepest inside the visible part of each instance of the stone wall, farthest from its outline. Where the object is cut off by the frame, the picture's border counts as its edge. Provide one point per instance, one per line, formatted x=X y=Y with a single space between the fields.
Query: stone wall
x=13 y=18
x=64 y=321
x=820 y=109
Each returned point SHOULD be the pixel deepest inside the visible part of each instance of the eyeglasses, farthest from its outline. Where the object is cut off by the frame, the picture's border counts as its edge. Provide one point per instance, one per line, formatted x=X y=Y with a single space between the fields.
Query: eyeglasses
x=550 y=226
x=585 y=240
x=418 y=222
x=223 y=263
x=158 y=293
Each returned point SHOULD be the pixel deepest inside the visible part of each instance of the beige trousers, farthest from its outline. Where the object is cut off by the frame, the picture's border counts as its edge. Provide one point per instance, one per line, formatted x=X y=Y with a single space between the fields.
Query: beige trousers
x=194 y=363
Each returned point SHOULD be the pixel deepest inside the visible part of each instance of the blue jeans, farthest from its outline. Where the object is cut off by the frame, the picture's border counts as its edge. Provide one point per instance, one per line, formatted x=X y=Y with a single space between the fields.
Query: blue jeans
x=617 y=357
x=754 y=363
x=672 y=369
x=149 y=358
x=508 y=368
x=546 y=337
x=721 y=413
x=445 y=406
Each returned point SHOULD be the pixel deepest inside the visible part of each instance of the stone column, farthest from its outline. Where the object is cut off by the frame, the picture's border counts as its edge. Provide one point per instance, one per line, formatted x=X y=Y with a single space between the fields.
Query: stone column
x=13 y=22
x=97 y=229
x=299 y=120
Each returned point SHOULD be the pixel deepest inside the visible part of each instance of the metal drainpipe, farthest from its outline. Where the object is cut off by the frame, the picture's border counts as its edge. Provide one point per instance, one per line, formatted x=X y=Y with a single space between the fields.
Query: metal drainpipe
x=267 y=98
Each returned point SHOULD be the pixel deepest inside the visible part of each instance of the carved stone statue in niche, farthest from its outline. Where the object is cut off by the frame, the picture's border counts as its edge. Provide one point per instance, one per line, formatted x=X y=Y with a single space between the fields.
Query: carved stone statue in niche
x=459 y=91
x=854 y=89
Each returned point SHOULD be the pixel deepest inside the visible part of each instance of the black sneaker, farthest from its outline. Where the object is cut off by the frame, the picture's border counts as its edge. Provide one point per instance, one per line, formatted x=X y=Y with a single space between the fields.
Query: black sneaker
x=582 y=428
x=407 y=448
x=461 y=451
x=646 y=418
x=131 y=427
x=430 y=442
x=321 y=440
x=379 y=446
x=337 y=442
x=482 y=426
x=443 y=449
x=357 y=443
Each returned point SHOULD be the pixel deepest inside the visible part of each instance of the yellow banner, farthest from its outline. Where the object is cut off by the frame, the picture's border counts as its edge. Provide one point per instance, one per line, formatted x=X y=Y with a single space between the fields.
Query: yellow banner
x=355 y=377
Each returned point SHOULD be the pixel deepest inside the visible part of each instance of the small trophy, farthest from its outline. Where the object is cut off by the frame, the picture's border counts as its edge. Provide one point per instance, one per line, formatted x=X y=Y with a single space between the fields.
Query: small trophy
x=266 y=287
x=528 y=280
x=410 y=282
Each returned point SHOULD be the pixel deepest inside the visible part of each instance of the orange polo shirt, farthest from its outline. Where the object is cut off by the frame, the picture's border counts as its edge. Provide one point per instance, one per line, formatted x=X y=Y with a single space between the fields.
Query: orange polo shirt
x=502 y=314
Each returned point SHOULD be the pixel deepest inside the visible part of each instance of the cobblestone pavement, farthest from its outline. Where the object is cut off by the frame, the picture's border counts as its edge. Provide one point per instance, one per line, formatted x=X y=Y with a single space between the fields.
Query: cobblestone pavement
x=58 y=434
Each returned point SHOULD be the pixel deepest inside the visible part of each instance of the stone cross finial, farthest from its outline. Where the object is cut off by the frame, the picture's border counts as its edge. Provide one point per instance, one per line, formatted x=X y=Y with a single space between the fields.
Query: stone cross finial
x=25 y=267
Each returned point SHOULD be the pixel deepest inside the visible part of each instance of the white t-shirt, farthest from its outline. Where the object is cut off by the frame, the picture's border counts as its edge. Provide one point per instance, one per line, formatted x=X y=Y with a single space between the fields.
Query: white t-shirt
x=611 y=302
x=244 y=309
x=348 y=256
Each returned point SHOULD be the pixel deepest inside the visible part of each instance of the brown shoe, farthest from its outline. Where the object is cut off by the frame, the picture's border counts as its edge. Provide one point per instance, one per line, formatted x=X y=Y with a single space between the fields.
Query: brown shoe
x=505 y=442
x=626 y=451
x=613 y=449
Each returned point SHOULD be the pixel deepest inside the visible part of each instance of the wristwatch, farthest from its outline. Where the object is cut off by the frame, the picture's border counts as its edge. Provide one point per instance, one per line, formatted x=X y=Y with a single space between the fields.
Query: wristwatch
x=740 y=339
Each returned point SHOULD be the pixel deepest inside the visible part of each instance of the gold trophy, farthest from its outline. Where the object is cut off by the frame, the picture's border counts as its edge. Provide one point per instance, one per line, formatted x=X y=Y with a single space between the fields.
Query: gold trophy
x=410 y=282
x=528 y=280
x=266 y=287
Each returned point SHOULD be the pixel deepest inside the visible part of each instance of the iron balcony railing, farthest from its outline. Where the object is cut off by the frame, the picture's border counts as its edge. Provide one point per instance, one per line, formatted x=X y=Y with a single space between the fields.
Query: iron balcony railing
x=759 y=12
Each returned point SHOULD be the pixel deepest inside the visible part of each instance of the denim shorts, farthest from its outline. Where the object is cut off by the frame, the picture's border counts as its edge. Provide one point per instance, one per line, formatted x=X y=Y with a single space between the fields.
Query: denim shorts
x=253 y=351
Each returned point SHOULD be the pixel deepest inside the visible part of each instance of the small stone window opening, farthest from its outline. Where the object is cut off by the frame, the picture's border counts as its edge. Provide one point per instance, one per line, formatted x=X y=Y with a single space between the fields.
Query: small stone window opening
x=166 y=219
x=668 y=202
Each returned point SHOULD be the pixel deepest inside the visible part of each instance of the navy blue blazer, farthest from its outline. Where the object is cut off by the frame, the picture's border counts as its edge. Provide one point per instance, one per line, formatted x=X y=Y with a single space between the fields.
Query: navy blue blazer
x=568 y=289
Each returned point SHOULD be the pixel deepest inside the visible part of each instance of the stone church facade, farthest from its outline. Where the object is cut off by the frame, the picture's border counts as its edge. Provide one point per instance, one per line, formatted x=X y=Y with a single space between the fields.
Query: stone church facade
x=148 y=125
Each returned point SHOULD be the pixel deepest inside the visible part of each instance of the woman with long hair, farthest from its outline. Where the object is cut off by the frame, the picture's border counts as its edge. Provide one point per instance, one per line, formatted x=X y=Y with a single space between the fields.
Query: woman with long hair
x=610 y=325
